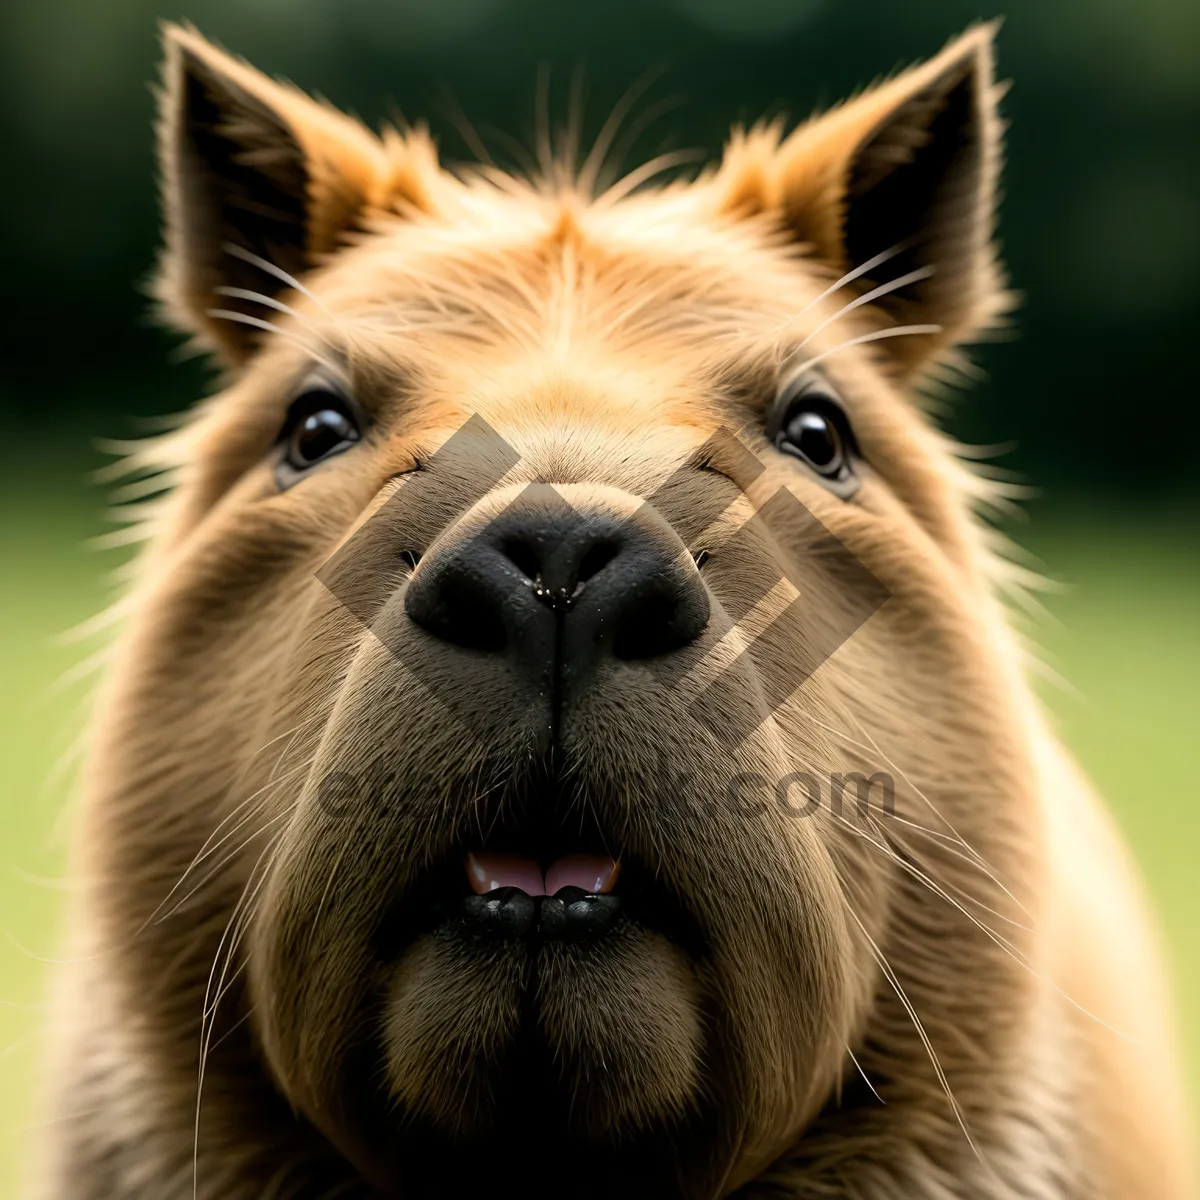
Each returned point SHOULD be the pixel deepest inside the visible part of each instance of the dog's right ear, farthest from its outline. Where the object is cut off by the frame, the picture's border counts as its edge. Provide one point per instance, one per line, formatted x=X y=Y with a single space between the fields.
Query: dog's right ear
x=252 y=169
x=902 y=179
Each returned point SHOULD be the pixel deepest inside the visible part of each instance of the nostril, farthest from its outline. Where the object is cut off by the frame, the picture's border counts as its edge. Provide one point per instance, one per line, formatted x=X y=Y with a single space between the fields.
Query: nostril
x=649 y=628
x=523 y=555
x=595 y=559
x=464 y=617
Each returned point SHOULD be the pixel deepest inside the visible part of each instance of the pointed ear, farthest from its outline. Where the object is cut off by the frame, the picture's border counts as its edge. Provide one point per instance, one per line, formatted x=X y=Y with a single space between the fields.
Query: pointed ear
x=256 y=165
x=907 y=170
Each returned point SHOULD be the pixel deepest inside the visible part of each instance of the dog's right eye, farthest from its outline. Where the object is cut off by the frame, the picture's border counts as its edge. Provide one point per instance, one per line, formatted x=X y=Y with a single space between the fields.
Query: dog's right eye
x=321 y=423
x=808 y=423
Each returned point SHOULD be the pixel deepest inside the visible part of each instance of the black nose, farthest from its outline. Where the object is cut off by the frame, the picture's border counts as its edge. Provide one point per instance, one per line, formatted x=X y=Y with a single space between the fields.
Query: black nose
x=558 y=590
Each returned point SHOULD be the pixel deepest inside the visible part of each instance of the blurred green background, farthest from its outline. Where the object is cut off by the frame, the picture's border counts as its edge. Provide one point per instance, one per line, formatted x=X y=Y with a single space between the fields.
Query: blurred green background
x=1094 y=400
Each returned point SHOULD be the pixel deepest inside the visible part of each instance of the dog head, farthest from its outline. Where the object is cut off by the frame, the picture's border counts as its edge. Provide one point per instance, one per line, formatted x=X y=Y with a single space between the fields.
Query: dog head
x=565 y=676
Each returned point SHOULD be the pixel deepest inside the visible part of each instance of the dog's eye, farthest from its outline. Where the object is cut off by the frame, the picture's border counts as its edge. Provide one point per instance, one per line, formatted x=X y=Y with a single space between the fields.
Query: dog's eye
x=321 y=423
x=808 y=422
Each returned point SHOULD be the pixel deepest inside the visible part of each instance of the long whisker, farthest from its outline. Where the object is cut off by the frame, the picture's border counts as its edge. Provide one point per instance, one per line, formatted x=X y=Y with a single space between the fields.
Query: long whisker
x=902 y=996
x=970 y=853
x=997 y=939
x=240 y=318
x=877 y=335
x=573 y=134
x=244 y=920
x=239 y=293
x=278 y=272
x=140 y=489
x=544 y=148
x=78 y=672
x=205 y=1019
x=212 y=843
x=877 y=749
x=526 y=163
x=946 y=846
x=230 y=856
x=851 y=275
x=466 y=130
x=594 y=163
x=937 y=889
x=291 y=281
x=644 y=173
x=867 y=297
x=610 y=171
x=231 y=1030
x=863 y=1073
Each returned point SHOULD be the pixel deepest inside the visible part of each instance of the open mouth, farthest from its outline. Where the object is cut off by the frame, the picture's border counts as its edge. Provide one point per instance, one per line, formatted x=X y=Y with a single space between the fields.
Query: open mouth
x=515 y=896
x=541 y=878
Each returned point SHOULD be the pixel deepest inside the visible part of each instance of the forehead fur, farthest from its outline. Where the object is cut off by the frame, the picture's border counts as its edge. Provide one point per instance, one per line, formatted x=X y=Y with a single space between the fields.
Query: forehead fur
x=522 y=269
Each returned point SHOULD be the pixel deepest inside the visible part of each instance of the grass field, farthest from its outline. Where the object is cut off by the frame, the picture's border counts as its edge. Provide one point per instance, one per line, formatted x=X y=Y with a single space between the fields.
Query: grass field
x=1126 y=635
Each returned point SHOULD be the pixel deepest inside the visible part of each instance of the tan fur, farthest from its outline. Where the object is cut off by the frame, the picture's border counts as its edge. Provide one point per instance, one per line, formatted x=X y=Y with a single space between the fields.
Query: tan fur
x=980 y=959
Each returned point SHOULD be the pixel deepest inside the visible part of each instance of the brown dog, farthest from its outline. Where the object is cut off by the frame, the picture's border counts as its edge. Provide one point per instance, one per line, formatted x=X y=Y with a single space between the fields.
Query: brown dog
x=465 y=812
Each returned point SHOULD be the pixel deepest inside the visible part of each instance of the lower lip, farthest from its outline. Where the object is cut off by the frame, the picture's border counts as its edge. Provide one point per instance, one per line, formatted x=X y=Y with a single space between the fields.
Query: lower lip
x=570 y=915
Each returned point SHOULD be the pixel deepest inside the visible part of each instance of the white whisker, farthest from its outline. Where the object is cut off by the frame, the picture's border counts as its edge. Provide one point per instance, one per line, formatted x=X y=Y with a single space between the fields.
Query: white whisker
x=877 y=335
x=644 y=173
x=211 y=844
x=997 y=939
x=207 y=1016
x=867 y=297
x=241 y=318
x=902 y=996
x=858 y=1067
x=852 y=275
x=271 y=269
x=939 y=891
x=594 y=163
x=877 y=749
x=215 y=870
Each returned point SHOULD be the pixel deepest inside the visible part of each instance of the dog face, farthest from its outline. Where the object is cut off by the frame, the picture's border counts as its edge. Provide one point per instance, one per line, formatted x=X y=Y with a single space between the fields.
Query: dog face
x=525 y=605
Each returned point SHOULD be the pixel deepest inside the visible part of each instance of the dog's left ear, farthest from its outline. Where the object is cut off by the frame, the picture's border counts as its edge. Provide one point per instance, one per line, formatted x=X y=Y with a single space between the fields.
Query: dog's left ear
x=254 y=167
x=909 y=167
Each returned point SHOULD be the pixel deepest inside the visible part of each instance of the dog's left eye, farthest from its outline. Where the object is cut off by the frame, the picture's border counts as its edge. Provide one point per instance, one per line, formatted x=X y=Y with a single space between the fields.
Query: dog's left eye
x=808 y=422
x=321 y=423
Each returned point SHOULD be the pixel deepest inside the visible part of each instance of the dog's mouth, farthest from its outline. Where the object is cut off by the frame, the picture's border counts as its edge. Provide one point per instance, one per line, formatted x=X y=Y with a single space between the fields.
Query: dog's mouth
x=516 y=896
x=537 y=881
